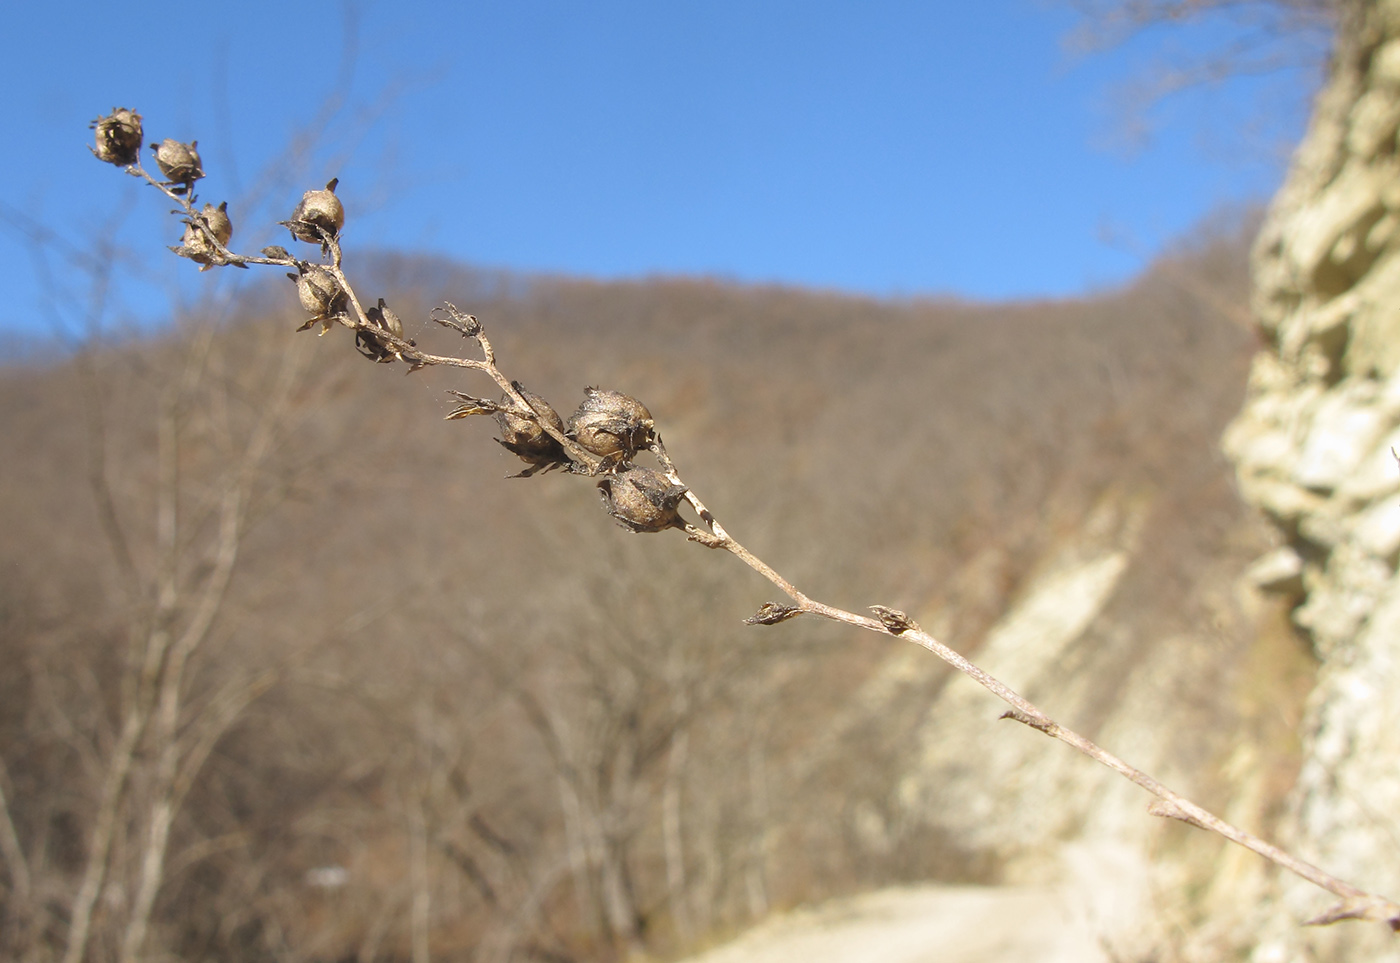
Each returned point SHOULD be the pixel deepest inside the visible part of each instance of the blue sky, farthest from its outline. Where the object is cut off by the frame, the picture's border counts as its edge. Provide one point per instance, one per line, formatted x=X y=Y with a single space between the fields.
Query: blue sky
x=883 y=147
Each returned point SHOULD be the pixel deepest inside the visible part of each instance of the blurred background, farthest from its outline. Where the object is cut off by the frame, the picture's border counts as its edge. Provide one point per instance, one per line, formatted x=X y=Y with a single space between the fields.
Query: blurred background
x=944 y=307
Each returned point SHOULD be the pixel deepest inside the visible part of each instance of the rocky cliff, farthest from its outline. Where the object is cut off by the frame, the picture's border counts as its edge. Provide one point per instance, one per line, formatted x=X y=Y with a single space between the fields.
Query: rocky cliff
x=1293 y=734
x=1313 y=448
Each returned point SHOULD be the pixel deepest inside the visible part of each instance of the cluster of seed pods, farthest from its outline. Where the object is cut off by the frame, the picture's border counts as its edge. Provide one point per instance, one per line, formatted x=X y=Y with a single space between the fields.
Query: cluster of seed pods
x=608 y=425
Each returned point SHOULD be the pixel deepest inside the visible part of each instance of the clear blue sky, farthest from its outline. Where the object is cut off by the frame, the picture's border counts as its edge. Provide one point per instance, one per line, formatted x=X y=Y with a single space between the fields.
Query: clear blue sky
x=886 y=147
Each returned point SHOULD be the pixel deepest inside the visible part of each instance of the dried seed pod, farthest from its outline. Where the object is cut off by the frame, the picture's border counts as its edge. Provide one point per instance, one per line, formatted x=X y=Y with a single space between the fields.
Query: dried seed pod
x=611 y=424
x=642 y=499
x=218 y=221
x=384 y=317
x=526 y=437
x=196 y=245
x=321 y=294
x=179 y=163
x=317 y=211
x=118 y=137
x=368 y=340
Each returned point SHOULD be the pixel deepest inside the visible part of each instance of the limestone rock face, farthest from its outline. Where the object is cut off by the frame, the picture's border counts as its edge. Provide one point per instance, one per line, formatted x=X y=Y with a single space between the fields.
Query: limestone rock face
x=1172 y=698
x=1313 y=449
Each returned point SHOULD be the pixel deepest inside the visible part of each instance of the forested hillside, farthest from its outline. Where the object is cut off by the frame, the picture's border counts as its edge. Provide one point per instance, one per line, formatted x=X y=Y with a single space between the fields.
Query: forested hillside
x=399 y=703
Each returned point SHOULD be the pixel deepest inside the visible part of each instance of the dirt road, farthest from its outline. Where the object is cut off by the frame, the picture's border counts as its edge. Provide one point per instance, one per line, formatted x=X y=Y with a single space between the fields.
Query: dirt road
x=931 y=924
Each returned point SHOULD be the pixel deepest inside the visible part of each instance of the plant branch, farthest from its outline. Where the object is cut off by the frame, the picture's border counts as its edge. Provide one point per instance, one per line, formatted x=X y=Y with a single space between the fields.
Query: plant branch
x=1356 y=903
x=379 y=336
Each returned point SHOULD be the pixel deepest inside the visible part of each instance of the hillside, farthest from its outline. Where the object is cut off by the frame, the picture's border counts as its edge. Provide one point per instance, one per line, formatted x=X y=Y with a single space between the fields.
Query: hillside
x=435 y=709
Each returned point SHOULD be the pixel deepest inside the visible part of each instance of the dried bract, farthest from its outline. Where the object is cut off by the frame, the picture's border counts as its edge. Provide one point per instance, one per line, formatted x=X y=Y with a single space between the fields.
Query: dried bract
x=894 y=620
x=771 y=613
x=118 y=137
x=316 y=212
x=612 y=425
x=450 y=317
x=525 y=435
x=642 y=499
x=179 y=163
x=469 y=406
x=321 y=294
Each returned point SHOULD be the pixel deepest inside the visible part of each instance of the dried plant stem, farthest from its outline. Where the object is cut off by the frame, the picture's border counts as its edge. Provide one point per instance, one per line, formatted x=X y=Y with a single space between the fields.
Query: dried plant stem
x=590 y=463
x=1356 y=903
x=391 y=345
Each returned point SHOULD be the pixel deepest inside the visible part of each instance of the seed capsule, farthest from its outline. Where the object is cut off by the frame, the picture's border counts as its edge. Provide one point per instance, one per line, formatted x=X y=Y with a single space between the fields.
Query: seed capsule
x=196 y=245
x=642 y=499
x=179 y=163
x=118 y=137
x=218 y=220
x=321 y=294
x=526 y=437
x=317 y=210
x=368 y=340
x=612 y=425
x=384 y=316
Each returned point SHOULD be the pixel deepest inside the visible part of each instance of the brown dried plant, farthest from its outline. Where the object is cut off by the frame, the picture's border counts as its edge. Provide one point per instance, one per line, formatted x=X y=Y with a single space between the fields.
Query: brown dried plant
x=602 y=441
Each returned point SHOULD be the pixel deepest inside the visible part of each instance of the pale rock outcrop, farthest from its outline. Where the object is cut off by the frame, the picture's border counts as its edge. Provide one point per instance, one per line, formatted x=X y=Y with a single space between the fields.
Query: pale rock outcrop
x=1042 y=814
x=1313 y=449
x=1012 y=814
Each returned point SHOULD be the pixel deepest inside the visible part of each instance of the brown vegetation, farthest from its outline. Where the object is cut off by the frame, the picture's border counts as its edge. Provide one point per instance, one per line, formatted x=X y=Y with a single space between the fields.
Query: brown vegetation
x=434 y=712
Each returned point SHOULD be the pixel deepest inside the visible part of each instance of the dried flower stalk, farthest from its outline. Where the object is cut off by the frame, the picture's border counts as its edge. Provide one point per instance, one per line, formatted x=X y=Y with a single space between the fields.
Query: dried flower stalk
x=601 y=440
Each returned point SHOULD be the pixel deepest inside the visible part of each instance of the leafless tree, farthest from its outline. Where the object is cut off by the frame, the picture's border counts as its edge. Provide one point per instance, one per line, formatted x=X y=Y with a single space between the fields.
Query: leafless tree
x=1280 y=46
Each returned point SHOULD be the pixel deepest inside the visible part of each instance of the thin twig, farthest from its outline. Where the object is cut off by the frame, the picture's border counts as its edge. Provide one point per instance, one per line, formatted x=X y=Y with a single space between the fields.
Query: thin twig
x=1356 y=903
